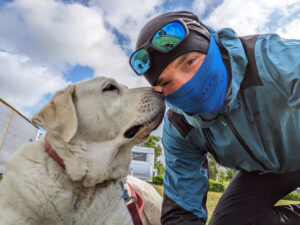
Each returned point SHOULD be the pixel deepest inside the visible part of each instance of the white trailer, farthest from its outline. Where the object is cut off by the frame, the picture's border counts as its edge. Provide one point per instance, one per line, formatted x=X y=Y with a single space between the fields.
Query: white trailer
x=15 y=130
x=142 y=164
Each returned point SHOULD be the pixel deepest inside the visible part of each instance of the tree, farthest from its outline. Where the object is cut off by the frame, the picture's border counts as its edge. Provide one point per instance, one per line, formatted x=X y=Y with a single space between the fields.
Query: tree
x=229 y=174
x=213 y=167
x=153 y=142
x=221 y=176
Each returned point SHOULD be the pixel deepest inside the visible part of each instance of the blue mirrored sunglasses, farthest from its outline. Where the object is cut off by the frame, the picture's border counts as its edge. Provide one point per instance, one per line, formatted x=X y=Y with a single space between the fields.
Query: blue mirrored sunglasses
x=164 y=40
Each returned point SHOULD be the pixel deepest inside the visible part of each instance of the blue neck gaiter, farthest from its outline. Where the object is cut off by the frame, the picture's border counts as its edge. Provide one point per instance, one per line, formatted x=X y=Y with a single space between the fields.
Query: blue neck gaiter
x=206 y=91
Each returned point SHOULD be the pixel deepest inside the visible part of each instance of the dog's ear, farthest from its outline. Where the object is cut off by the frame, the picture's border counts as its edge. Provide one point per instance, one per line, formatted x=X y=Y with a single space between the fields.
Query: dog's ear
x=59 y=115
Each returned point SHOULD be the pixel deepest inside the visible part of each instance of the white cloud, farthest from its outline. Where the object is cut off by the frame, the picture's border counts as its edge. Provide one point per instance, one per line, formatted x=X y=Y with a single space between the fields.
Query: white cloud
x=252 y=16
x=54 y=33
x=45 y=36
x=24 y=83
x=291 y=29
x=128 y=17
x=200 y=6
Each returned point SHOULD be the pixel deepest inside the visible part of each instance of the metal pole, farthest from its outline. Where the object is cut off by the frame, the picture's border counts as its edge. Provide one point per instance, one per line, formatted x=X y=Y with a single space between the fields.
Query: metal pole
x=5 y=130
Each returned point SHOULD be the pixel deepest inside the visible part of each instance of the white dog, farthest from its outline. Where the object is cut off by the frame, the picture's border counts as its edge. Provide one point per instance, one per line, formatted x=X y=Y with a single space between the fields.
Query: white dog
x=76 y=178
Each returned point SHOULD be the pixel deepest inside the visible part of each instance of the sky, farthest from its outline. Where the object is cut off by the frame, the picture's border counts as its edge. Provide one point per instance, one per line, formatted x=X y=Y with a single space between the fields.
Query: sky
x=47 y=44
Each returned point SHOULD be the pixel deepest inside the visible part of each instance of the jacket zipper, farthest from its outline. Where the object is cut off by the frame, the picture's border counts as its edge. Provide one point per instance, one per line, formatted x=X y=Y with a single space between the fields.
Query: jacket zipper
x=210 y=149
x=242 y=142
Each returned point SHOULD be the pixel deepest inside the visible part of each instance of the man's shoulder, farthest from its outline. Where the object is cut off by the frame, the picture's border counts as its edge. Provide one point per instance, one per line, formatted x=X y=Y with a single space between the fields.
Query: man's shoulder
x=179 y=122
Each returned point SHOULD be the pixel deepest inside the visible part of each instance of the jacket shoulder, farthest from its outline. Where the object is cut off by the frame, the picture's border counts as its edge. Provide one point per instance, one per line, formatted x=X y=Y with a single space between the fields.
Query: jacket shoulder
x=251 y=77
x=179 y=122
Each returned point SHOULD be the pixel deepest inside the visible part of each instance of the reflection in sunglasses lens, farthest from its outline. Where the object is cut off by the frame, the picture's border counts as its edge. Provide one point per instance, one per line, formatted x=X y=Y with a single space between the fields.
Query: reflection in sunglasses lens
x=169 y=36
x=140 y=61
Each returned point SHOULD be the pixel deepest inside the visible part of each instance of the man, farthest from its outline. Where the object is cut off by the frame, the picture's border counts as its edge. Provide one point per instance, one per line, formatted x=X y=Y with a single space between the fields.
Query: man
x=235 y=97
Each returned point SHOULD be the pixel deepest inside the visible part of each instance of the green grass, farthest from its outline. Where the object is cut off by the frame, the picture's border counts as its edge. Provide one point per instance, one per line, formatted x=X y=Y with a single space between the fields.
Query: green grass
x=159 y=189
x=166 y=43
x=213 y=198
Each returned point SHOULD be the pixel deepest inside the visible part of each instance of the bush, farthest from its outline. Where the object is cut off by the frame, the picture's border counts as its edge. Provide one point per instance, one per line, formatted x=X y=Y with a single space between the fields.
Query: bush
x=215 y=186
x=158 y=179
x=292 y=196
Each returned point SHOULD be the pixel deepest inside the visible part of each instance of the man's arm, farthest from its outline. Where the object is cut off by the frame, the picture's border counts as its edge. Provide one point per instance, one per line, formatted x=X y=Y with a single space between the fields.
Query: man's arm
x=186 y=174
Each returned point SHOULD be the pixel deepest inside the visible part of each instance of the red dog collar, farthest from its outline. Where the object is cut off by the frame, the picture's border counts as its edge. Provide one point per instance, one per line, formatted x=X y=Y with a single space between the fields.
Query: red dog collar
x=53 y=154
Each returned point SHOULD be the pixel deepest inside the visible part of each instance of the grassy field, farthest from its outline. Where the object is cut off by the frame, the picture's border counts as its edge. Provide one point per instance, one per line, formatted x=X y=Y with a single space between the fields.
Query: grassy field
x=213 y=198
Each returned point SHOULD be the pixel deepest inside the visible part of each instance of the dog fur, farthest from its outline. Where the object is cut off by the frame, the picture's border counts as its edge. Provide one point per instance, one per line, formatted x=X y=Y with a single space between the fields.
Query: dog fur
x=86 y=125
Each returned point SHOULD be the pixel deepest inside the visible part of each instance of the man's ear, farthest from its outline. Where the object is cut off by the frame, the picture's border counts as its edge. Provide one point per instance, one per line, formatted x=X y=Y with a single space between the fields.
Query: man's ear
x=59 y=115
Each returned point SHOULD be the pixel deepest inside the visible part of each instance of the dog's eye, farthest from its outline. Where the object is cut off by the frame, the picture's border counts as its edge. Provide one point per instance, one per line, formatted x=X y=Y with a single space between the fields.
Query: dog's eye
x=110 y=87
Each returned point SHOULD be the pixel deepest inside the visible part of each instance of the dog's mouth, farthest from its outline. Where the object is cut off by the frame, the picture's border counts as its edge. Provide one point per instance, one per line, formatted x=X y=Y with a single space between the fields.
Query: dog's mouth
x=132 y=131
x=143 y=129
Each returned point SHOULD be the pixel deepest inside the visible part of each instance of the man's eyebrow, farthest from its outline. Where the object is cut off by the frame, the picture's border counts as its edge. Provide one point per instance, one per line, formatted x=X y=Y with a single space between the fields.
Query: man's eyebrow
x=182 y=59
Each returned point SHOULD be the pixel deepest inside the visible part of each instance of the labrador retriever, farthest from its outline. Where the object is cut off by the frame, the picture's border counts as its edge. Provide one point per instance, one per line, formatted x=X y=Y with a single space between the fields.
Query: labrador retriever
x=74 y=174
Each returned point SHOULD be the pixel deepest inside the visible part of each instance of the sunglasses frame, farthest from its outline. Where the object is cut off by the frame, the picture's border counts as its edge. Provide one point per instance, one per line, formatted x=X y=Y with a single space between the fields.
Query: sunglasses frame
x=148 y=44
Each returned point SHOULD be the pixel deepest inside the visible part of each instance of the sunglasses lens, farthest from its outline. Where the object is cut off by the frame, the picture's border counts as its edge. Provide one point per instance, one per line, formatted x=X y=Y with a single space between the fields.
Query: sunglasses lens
x=140 y=61
x=169 y=36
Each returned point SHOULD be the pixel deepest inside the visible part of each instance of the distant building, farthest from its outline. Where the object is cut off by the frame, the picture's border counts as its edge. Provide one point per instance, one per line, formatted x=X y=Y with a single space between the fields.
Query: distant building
x=142 y=164
x=15 y=130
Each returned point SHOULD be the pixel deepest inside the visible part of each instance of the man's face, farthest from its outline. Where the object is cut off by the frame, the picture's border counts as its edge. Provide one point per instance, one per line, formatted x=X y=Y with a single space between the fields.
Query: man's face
x=178 y=72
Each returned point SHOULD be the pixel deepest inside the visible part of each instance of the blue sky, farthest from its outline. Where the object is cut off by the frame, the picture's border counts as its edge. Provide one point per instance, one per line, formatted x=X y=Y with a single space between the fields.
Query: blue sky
x=47 y=44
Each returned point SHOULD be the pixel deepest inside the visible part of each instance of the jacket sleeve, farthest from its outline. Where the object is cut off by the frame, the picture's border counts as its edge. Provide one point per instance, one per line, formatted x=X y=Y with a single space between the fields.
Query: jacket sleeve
x=281 y=58
x=186 y=174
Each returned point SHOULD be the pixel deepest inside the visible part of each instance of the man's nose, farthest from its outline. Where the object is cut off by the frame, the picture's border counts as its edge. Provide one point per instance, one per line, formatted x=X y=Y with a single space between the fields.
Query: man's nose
x=158 y=89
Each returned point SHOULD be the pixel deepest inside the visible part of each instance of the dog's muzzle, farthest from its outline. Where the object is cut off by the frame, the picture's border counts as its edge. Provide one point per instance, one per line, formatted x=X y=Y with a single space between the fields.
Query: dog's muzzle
x=151 y=108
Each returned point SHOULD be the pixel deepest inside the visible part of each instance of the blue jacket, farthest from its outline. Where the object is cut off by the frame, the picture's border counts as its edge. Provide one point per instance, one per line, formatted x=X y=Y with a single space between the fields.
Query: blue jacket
x=257 y=130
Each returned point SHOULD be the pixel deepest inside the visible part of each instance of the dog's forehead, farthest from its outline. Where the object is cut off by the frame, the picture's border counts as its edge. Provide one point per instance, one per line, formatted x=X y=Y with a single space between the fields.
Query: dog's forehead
x=95 y=83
